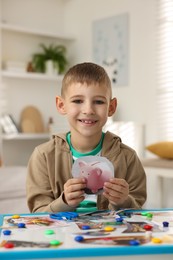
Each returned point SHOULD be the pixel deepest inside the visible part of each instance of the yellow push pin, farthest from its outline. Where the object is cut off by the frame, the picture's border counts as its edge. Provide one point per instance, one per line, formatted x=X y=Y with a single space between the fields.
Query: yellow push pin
x=156 y=240
x=109 y=229
x=15 y=216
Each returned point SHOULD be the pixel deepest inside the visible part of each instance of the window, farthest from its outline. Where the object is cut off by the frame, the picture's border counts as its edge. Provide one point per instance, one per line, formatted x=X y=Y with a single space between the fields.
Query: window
x=165 y=69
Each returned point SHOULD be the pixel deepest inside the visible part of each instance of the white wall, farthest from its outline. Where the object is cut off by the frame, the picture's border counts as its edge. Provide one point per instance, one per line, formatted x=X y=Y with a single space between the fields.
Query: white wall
x=38 y=13
x=137 y=100
x=41 y=15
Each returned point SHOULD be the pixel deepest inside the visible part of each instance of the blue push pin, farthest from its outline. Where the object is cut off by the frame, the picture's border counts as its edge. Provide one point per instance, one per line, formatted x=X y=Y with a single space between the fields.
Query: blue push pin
x=134 y=242
x=79 y=238
x=165 y=224
x=7 y=232
x=21 y=225
x=85 y=227
x=119 y=219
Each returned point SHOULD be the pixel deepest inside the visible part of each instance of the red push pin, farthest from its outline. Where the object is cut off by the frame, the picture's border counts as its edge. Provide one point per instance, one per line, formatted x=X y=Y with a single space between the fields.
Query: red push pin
x=148 y=227
x=9 y=245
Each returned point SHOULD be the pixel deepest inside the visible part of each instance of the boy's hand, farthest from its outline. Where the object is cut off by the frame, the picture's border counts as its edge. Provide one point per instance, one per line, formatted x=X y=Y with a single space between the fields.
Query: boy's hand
x=74 y=191
x=116 y=191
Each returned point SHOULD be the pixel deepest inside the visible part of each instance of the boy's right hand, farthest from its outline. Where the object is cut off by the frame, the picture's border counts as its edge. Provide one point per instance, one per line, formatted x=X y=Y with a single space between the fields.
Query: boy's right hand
x=74 y=191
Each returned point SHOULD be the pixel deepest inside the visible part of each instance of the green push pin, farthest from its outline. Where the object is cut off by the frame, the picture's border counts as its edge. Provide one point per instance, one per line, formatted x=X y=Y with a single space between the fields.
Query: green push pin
x=149 y=216
x=49 y=232
x=145 y=213
x=55 y=242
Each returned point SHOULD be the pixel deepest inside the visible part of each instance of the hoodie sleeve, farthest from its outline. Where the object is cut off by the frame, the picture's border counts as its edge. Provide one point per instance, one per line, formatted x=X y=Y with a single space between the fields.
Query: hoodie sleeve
x=136 y=178
x=40 y=196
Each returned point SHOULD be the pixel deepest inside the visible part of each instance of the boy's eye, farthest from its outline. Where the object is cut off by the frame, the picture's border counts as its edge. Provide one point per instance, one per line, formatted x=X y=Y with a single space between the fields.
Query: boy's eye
x=77 y=101
x=99 y=102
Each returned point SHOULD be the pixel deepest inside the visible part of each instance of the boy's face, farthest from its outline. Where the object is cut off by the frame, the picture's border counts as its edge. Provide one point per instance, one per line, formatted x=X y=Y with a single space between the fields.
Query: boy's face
x=86 y=107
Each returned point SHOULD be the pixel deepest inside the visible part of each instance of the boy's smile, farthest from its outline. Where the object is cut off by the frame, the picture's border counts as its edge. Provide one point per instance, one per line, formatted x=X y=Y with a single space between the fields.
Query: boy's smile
x=87 y=108
x=87 y=122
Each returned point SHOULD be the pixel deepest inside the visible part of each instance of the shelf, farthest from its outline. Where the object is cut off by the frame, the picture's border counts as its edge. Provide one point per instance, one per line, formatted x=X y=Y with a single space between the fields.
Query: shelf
x=20 y=29
x=26 y=136
x=30 y=75
x=19 y=39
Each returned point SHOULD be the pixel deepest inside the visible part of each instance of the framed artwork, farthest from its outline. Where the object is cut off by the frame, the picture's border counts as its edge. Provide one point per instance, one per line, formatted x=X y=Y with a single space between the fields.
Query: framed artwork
x=8 y=125
x=110 y=47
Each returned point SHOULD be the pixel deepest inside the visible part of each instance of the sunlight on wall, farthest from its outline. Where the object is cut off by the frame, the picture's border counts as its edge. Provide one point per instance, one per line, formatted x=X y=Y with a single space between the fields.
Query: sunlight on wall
x=164 y=39
x=131 y=134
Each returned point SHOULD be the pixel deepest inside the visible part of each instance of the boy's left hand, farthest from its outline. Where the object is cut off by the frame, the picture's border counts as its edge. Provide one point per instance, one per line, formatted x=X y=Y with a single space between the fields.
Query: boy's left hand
x=116 y=191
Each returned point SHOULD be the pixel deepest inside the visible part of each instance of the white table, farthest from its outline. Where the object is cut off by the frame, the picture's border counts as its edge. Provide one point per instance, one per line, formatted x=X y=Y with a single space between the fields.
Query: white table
x=160 y=169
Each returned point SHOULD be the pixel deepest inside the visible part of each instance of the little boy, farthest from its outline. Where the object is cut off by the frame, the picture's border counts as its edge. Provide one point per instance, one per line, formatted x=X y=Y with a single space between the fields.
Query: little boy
x=86 y=100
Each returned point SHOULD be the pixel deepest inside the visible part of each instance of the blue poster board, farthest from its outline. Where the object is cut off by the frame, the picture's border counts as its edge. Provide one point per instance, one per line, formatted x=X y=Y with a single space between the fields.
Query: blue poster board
x=33 y=241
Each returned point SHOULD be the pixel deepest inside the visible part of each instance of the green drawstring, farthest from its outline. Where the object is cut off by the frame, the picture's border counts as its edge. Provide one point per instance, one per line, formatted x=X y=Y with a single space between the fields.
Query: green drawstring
x=86 y=206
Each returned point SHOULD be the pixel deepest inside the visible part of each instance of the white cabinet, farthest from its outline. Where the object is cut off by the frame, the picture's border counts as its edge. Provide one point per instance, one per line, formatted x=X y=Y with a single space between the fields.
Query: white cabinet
x=18 y=148
x=19 y=40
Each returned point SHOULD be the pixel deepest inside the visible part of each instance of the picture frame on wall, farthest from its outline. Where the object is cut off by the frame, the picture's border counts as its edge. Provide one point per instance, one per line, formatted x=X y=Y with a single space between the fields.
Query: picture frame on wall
x=110 y=47
x=8 y=124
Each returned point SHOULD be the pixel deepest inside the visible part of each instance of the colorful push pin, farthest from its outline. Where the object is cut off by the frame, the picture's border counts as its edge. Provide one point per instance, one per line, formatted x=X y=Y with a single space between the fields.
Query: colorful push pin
x=7 y=232
x=85 y=227
x=79 y=238
x=55 y=242
x=119 y=219
x=15 y=216
x=156 y=240
x=21 y=225
x=144 y=213
x=148 y=227
x=49 y=232
x=149 y=216
x=109 y=228
x=9 y=245
x=165 y=224
x=134 y=242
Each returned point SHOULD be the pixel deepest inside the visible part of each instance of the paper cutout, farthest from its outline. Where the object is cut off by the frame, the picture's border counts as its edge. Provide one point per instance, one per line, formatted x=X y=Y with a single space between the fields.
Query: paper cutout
x=96 y=170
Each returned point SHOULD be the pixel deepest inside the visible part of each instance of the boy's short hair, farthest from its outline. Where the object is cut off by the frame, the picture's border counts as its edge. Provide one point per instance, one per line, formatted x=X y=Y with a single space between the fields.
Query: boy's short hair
x=87 y=72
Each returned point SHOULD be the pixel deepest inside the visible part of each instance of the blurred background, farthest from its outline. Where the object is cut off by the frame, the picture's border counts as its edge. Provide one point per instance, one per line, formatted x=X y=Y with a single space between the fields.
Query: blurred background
x=41 y=39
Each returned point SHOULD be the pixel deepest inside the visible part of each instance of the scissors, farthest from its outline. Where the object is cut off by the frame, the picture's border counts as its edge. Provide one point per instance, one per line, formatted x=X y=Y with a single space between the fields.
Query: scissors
x=64 y=215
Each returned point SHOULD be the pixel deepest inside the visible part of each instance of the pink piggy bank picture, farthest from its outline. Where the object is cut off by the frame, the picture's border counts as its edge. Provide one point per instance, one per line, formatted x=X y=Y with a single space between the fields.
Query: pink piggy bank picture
x=95 y=172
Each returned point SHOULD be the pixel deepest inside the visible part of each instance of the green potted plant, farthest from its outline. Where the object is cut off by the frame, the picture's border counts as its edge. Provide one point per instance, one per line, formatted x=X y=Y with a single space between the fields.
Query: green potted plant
x=54 y=53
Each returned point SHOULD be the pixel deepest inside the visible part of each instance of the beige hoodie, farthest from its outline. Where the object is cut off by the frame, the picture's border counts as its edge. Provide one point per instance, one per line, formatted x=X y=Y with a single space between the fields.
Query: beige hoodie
x=50 y=167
